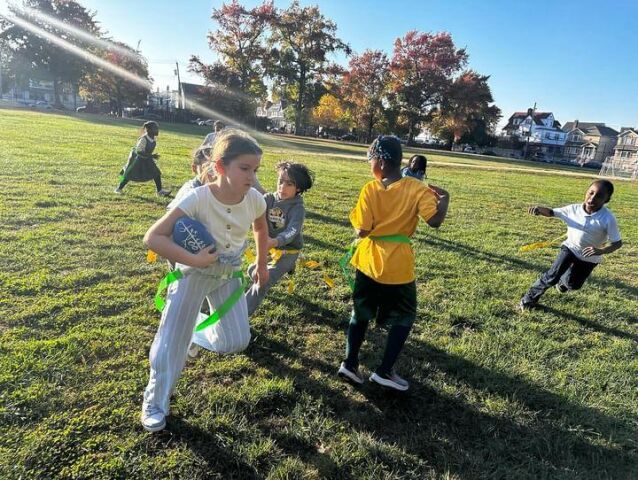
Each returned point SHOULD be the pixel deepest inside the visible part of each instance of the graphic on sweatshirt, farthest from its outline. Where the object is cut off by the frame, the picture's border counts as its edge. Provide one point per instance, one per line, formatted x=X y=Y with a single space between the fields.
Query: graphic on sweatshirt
x=277 y=218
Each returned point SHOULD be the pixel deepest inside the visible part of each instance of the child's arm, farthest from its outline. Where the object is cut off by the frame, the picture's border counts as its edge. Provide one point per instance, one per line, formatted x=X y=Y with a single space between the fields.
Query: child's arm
x=443 y=198
x=611 y=247
x=260 y=232
x=159 y=238
x=294 y=223
x=542 y=211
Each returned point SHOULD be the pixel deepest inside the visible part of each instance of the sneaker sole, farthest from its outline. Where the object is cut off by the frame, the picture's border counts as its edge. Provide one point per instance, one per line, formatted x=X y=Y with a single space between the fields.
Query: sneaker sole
x=356 y=381
x=388 y=383
x=158 y=428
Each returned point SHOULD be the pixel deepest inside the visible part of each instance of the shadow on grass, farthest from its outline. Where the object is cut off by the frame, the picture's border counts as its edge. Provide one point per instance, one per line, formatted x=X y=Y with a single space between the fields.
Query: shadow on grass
x=454 y=437
x=466 y=250
x=208 y=447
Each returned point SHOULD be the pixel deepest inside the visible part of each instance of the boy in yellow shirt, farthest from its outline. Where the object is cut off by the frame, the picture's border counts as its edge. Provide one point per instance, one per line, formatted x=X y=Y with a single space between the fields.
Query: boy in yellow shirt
x=385 y=216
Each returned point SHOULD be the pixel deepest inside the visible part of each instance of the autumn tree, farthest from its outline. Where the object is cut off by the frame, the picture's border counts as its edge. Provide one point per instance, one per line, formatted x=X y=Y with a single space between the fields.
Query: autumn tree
x=331 y=113
x=239 y=43
x=466 y=107
x=300 y=43
x=101 y=85
x=365 y=86
x=422 y=66
x=41 y=53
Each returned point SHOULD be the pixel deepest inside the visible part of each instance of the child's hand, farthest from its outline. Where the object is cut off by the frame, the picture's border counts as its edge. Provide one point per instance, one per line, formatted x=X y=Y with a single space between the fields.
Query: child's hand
x=204 y=258
x=438 y=191
x=590 y=251
x=260 y=275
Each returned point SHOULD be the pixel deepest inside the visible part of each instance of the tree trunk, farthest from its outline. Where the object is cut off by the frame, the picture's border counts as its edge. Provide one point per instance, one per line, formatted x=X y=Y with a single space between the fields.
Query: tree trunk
x=56 y=93
x=370 y=124
x=299 y=106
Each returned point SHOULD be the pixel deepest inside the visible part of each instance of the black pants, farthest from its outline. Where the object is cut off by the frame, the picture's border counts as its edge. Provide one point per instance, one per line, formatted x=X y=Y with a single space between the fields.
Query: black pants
x=157 y=180
x=567 y=269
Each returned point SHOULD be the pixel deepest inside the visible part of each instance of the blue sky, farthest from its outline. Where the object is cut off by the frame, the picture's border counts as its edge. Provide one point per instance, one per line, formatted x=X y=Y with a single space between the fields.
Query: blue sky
x=574 y=58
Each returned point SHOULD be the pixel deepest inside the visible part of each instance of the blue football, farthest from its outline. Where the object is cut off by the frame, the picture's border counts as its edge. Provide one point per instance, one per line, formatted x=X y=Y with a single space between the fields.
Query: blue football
x=192 y=235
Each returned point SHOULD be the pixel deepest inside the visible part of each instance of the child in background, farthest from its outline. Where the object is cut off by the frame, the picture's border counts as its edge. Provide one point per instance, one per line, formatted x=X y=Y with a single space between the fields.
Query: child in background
x=592 y=231
x=385 y=216
x=227 y=207
x=285 y=214
x=201 y=158
x=416 y=167
x=141 y=165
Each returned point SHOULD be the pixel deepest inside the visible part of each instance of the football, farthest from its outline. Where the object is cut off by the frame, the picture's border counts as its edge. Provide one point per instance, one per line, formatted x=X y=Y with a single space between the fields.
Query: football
x=192 y=235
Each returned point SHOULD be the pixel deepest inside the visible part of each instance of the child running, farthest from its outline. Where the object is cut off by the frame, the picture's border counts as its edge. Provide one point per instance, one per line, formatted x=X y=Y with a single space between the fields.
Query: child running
x=592 y=231
x=416 y=167
x=285 y=214
x=385 y=216
x=227 y=207
x=142 y=165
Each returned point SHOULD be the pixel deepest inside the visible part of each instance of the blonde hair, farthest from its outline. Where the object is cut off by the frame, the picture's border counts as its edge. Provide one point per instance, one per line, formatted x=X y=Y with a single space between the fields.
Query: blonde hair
x=230 y=144
x=208 y=173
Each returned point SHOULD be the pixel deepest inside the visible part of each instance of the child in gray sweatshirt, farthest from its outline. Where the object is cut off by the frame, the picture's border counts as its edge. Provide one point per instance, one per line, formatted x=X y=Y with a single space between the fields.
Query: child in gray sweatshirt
x=285 y=214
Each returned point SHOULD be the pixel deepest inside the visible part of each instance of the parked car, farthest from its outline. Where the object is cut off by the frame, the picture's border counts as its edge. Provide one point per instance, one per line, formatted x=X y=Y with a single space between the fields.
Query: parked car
x=469 y=149
x=206 y=123
x=42 y=105
x=348 y=137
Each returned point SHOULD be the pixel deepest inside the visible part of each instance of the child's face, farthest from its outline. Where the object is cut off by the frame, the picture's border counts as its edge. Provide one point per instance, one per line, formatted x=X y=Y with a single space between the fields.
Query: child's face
x=595 y=198
x=286 y=188
x=241 y=172
x=413 y=164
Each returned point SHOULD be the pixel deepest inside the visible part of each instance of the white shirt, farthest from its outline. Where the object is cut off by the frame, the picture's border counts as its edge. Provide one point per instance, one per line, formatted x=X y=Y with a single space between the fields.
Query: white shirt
x=228 y=224
x=587 y=229
x=209 y=140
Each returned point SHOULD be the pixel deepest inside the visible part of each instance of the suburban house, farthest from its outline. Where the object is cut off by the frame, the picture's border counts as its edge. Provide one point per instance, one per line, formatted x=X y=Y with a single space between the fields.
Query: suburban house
x=588 y=143
x=164 y=99
x=274 y=112
x=540 y=131
x=39 y=93
x=625 y=159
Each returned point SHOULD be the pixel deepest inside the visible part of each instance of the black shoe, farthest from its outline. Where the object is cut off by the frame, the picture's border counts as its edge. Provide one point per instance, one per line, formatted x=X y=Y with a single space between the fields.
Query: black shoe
x=561 y=288
x=526 y=307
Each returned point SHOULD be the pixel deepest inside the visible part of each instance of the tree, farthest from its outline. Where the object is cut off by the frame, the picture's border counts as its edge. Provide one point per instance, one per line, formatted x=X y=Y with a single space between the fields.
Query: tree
x=365 y=87
x=43 y=55
x=301 y=39
x=239 y=43
x=331 y=113
x=422 y=67
x=101 y=85
x=466 y=109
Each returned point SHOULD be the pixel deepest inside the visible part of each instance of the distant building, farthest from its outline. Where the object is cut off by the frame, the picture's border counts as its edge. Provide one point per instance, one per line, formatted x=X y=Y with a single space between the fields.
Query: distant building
x=588 y=142
x=164 y=99
x=41 y=90
x=274 y=112
x=539 y=130
x=626 y=151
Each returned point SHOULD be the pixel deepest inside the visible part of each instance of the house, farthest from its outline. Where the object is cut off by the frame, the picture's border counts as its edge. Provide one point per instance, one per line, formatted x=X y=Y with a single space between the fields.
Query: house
x=588 y=143
x=41 y=90
x=164 y=100
x=625 y=159
x=540 y=131
x=274 y=112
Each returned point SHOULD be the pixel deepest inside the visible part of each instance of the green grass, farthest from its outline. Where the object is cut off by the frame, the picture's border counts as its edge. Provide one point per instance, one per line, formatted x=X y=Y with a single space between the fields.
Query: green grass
x=494 y=394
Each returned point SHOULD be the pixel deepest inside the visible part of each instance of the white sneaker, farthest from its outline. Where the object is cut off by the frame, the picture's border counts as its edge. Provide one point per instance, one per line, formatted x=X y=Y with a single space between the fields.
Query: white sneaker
x=193 y=350
x=153 y=420
x=391 y=381
x=351 y=375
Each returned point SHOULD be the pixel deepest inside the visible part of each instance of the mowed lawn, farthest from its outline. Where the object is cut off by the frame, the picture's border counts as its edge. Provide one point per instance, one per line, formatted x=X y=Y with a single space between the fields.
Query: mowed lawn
x=494 y=394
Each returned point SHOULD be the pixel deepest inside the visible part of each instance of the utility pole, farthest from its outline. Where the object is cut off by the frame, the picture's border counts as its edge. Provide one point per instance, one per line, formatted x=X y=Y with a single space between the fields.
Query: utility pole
x=180 y=91
x=529 y=132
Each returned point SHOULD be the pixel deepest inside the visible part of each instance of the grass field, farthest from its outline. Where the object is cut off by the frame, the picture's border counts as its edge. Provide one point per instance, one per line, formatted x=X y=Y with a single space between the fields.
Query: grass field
x=494 y=394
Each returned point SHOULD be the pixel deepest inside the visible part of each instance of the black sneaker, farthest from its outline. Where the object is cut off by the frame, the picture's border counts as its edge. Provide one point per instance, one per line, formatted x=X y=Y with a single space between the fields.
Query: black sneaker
x=350 y=374
x=525 y=307
x=163 y=192
x=561 y=288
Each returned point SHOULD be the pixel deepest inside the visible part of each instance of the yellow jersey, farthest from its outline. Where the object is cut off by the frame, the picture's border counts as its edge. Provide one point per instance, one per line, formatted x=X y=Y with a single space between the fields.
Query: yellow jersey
x=390 y=210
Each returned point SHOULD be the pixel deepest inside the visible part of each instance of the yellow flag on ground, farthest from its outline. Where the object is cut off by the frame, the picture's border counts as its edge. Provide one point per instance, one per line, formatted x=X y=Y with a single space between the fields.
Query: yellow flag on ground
x=250 y=256
x=329 y=281
x=151 y=256
x=311 y=264
x=291 y=286
x=537 y=245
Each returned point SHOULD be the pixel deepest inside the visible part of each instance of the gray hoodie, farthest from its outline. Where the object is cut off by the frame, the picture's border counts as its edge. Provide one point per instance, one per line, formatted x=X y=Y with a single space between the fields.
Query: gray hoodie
x=285 y=220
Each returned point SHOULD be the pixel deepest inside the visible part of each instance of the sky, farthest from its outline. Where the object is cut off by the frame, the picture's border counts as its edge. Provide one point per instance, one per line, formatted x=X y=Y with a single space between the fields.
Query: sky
x=576 y=59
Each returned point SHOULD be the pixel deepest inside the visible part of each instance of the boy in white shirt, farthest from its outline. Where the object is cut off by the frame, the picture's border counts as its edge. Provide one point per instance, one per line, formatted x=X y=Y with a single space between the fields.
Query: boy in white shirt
x=592 y=231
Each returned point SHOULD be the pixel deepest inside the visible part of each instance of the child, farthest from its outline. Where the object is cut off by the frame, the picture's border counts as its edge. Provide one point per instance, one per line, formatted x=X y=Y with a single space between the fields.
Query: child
x=209 y=141
x=200 y=161
x=141 y=165
x=285 y=214
x=416 y=167
x=590 y=225
x=227 y=207
x=386 y=214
